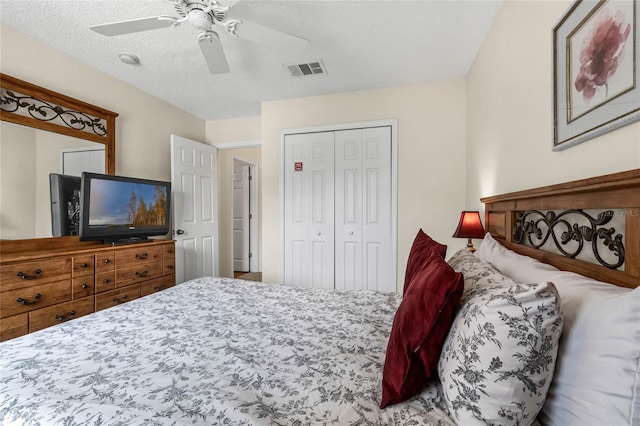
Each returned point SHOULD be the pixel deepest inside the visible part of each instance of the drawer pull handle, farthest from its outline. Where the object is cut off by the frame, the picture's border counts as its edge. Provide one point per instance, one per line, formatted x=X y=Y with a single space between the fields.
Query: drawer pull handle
x=169 y=266
x=106 y=261
x=29 y=277
x=142 y=274
x=142 y=256
x=67 y=318
x=84 y=265
x=170 y=251
x=118 y=301
x=106 y=281
x=24 y=301
x=160 y=287
x=85 y=285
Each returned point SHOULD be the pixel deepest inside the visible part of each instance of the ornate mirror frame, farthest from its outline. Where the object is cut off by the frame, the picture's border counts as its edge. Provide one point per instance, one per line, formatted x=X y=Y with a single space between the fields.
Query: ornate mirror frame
x=34 y=106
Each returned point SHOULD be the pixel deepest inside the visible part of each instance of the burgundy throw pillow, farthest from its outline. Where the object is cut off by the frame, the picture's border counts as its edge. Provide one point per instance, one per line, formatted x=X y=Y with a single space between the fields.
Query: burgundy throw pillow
x=419 y=329
x=420 y=249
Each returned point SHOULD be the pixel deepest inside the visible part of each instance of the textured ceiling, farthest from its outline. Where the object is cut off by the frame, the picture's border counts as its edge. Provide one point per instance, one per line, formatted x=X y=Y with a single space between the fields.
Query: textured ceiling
x=363 y=45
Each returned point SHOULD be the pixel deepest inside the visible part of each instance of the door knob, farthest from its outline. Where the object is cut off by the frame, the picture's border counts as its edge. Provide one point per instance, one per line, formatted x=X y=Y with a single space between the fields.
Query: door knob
x=319 y=233
x=179 y=232
x=350 y=232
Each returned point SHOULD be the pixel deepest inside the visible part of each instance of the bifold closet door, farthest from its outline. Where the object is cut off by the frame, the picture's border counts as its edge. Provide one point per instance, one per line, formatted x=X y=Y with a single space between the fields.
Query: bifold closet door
x=363 y=258
x=309 y=210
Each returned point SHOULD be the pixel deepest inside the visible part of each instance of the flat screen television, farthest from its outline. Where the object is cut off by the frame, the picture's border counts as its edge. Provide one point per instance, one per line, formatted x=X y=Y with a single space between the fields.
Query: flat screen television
x=122 y=210
x=65 y=204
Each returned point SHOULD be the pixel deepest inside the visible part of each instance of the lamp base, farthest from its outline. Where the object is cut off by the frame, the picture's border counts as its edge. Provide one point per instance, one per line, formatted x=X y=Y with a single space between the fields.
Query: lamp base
x=470 y=246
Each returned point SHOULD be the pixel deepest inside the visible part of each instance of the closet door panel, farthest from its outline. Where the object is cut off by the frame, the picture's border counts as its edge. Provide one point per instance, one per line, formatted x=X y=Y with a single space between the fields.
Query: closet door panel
x=309 y=210
x=349 y=196
x=376 y=227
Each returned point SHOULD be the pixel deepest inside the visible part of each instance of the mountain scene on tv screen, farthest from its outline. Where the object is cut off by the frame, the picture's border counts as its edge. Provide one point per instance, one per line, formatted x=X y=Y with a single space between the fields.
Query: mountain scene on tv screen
x=116 y=203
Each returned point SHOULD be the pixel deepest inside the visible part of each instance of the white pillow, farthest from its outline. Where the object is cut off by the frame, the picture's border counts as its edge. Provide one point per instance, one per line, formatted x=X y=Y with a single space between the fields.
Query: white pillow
x=597 y=378
x=499 y=356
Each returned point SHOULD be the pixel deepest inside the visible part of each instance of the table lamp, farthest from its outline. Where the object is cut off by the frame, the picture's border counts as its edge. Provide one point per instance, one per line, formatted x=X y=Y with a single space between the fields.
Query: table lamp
x=469 y=227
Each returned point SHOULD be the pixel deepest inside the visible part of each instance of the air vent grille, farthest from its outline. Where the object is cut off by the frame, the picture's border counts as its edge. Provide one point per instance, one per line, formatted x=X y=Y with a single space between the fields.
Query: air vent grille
x=302 y=70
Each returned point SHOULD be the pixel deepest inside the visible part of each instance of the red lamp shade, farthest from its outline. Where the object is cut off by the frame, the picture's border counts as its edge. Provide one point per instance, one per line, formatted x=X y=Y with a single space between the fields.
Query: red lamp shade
x=469 y=226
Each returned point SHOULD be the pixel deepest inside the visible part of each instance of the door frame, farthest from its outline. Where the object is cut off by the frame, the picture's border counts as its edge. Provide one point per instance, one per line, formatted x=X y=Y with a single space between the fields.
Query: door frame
x=393 y=124
x=254 y=247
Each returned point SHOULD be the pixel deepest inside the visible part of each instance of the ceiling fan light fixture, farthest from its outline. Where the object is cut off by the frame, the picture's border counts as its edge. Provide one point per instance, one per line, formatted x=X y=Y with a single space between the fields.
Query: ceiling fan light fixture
x=199 y=19
x=129 y=58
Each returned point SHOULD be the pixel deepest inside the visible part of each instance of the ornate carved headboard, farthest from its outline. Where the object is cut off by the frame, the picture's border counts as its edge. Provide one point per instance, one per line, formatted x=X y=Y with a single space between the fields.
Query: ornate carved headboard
x=566 y=223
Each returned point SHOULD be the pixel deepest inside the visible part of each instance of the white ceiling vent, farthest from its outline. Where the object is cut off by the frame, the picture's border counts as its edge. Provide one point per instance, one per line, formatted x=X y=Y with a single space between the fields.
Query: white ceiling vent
x=311 y=68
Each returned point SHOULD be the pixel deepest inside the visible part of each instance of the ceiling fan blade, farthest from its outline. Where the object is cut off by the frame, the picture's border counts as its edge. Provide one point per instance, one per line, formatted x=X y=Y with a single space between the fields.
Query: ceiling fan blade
x=131 y=26
x=254 y=32
x=213 y=54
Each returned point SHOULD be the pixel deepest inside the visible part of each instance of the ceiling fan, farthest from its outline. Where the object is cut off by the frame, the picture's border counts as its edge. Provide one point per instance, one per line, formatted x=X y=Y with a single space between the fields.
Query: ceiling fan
x=207 y=16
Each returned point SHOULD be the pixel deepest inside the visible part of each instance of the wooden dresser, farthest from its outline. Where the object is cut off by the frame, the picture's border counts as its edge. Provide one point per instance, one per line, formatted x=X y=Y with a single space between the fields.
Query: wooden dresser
x=50 y=280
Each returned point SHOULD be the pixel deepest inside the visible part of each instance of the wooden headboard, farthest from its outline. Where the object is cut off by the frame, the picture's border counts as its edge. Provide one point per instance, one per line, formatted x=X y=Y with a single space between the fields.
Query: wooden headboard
x=621 y=191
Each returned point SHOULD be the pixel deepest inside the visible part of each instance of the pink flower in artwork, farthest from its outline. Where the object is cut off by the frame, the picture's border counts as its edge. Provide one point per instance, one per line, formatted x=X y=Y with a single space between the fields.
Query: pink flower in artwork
x=602 y=52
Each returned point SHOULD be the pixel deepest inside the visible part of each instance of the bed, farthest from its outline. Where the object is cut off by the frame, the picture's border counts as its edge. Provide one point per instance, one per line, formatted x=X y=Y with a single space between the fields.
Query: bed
x=224 y=351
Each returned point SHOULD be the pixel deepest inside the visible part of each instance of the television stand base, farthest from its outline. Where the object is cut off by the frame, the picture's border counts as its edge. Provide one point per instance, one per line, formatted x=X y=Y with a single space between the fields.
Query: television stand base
x=123 y=241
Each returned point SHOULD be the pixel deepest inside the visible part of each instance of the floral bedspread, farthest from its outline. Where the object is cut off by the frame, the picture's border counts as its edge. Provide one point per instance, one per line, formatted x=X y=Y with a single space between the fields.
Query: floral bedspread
x=213 y=351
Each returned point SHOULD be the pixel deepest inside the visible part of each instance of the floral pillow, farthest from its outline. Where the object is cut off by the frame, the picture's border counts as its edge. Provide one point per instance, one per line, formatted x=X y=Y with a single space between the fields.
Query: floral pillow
x=498 y=359
x=597 y=377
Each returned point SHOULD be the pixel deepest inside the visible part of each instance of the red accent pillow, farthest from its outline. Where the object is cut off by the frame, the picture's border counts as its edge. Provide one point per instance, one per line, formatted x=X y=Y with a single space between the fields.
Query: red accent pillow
x=420 y=249
x=419 y=329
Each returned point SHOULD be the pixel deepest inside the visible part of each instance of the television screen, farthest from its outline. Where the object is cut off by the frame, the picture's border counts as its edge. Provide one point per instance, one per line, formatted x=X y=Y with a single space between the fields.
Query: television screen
x=123 y=209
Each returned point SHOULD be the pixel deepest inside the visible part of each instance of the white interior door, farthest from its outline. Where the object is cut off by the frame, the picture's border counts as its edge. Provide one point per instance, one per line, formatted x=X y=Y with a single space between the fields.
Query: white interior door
x=338 y=209
x=195 y=210
x=309 y=211
x=241 y=213
x=363 y=210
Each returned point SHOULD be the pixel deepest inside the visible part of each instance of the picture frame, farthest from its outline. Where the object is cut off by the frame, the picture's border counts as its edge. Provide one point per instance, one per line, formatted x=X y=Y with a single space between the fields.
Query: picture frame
x=596 y=70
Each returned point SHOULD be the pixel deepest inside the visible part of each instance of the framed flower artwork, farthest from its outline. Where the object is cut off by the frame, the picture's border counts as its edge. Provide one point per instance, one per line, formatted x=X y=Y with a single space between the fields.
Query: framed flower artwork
x=596 y=76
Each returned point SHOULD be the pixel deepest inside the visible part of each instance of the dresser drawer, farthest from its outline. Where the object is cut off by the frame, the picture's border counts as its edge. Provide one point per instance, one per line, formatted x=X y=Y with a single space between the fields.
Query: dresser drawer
x=83 y=265
x=159 y=284
x=139 y=273
x=25 y=274
x=35 y=297
x=17 y=325
x=82 y=287
x=105 y=281
x=169 y=267
x=169 y=251
x=43 y=318
x=105 y=261
x=138 y=255
x=116 y=297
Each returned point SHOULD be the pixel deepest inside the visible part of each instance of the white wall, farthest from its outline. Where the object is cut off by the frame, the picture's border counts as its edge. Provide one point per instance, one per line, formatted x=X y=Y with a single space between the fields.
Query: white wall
x=431 y=151
x=509 y=111
x=145 y=122
x=17 y=195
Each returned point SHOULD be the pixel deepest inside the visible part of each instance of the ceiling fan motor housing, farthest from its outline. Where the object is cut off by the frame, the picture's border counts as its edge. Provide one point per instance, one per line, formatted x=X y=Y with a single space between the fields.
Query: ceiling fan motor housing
x=199 y=19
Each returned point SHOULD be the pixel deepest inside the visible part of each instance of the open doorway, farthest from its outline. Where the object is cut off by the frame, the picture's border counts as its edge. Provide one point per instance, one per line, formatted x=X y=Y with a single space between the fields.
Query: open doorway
x=244 y=216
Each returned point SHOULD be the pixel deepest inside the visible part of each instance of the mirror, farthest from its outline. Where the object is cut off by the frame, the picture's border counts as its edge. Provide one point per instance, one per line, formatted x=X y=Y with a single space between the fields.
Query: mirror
x=27 y=157
x=43 y=132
